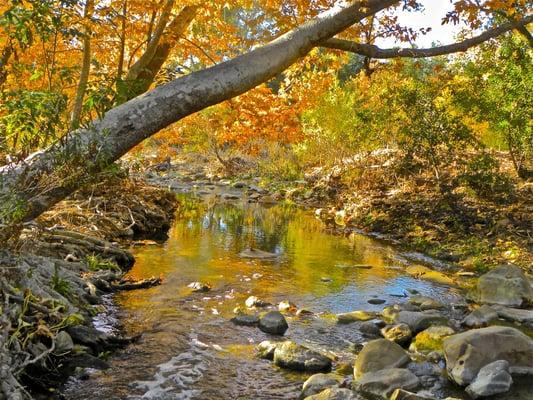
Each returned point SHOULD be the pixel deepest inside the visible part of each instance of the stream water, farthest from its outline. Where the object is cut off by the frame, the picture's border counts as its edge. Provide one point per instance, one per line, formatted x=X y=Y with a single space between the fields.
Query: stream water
x=189 y=348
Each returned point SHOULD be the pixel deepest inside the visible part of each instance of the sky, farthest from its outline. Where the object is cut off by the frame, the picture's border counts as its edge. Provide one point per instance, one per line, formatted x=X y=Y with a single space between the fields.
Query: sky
x=435 y=10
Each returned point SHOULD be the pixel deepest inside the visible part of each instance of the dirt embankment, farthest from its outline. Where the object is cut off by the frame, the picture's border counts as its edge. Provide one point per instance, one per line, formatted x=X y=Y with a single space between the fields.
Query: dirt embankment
x=53 y=281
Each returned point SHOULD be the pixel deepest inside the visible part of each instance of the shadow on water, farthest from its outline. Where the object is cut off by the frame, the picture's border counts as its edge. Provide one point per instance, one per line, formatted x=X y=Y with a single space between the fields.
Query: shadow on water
x=190 y=350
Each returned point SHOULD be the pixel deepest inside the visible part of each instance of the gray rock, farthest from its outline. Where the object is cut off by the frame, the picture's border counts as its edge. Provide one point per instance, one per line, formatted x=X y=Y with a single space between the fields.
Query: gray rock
x=266 y=349
x=383 y=383
x=369 y=328
x=296 y=357
x=317 y=383
x=376 y=301
x=492 y=379
x=64 y=343
x=379 y=354
x=506 y=285
x=418 y=321
x=245 y=320
x=274 y=323
x=514 y=314
x=480 y=317
x=400 y=333
x=466 y=353
x=335 y=394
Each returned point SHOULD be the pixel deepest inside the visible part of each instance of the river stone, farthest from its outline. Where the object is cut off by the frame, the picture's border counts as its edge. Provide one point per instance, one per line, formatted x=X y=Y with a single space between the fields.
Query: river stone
x=379 y=354
x=334 y=394
x=199 y=287
x=287 y=306
x=480 y=317
x=514 y=314
x=400 y=333
x=401 y=394
x=430 y=339
x=381 y=384
x=492 y=379
x=245 y=320
x=418 y=321
x=376 y=301
x=506 y=285
x=354 y=316
x=466 y=353
x=317 y=383
x=253 y=301
x=369 y=328
x=296 y=357
x=390 y=313
x=64 y=343
x=273 y=322
x=266 y=348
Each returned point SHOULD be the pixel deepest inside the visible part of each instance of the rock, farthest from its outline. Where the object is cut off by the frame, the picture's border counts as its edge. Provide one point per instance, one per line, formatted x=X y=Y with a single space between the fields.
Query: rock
x=256 y=253
x=296 y=357
x=245 y=320
x=382 y=383
x=348 y=318
x=480 y=317
x=229 y=196
x=265 y=349
x=87 y=336
x=369 y=328
x=274 y=323
x=303 y=312
x=492 y=379
x=390 y=313
x=376 y=301
x=334 y=394
x=239 y=185
x=422 y=272
x=199 y=287
x=253 y=301
x=506 y=285
x=426 y=303
x=431 y=339
x=514 y=314
x=400 y=333
x=317 y=383
x=379 y=354
x=418 y=321
x=466 y=353
x=401 y=394
x=64 y=343
x=287 y=306
x=325 y=279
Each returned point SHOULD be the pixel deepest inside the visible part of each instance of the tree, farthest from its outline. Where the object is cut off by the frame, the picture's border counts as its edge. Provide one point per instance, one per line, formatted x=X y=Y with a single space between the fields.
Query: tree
x=31 y=186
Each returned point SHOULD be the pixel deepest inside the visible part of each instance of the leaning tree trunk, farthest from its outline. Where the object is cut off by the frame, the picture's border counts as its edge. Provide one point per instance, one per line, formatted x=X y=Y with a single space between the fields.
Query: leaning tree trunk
x=29 y=188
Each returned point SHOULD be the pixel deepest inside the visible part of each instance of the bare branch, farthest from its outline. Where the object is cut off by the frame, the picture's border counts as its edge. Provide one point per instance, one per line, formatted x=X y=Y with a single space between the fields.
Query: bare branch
x=373 y=51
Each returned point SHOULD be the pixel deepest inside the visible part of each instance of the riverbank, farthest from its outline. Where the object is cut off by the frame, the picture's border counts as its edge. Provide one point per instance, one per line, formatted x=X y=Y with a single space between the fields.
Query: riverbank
x=55 y=279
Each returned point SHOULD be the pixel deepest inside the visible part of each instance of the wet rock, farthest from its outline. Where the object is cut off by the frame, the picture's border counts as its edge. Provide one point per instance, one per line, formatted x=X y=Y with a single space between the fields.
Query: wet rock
x=254 y=301
x=390 y=313
x=506 y=285
x=287 y=306
x=354 y=316
x=64 y=343
x=317 y=383
x=245 y=320
x=266 y=348
x=369 y=328
x=492 y=379
x=379 y=354
x=239 y=185
x=400 y=333
x=430 y=339
x=376 y=301
x=335 y=394
x=382 y=383
x=256 y=253
x=514 y=314
x=296 y=357
x=401 y=394
x=480 y=317
x=418 y=321
x=87 y=336
x=199 y=287
x=274 y=323
x=302 y=312
x=85 y=360
x=466 y=353
x=422 y=272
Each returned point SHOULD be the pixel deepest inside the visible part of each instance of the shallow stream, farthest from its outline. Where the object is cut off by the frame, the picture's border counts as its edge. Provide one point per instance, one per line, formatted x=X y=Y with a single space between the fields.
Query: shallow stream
x=189 y=348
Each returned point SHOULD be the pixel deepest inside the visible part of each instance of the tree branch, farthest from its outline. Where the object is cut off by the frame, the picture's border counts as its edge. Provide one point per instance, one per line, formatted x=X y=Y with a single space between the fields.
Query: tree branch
x=373 y=51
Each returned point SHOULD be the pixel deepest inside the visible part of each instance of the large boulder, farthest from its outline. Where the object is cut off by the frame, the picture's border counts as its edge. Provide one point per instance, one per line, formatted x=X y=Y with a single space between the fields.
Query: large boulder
x=296 y=357
x=382 y=384
x=492 y=379
x=379 y=354
x=335 y=394
x=466 y=353
x=480 y=317
x=317 y=383
x=506 y=285
x=273 y=322
x=418 y=321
